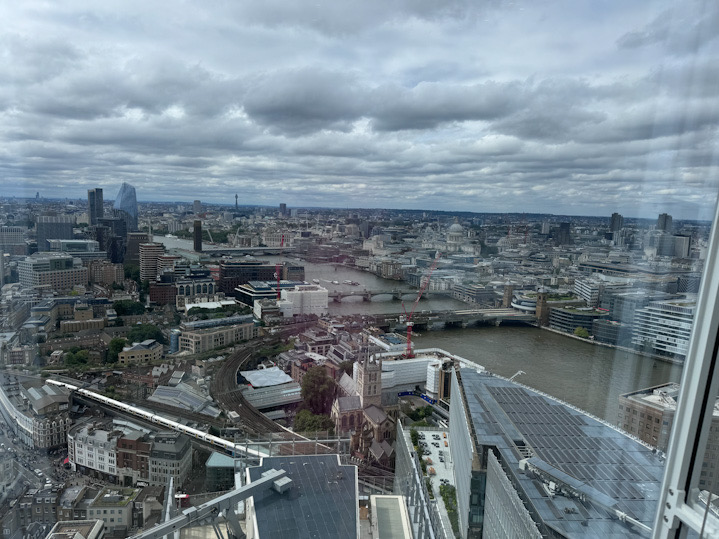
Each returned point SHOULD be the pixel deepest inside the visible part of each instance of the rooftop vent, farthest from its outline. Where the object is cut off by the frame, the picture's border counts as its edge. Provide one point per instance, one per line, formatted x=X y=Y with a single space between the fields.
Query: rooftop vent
x=282 y=485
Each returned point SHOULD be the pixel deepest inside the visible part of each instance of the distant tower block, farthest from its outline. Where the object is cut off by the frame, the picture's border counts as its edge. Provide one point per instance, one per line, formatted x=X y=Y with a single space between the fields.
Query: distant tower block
x=198 y=236
x=236 y=206
x=616 y=222
x=95 y=209
x=283 y=209
x=197 y=207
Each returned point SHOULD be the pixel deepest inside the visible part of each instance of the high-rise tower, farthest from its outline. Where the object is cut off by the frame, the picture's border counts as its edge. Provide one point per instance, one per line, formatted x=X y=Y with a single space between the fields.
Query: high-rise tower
x=664 y=222
x=197 y=236
x=94 y=205
x=126 y=202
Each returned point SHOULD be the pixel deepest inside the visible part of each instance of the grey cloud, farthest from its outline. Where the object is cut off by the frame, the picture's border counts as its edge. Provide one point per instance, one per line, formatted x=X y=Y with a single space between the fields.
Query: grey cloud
x=685 y=28
x=304 y=100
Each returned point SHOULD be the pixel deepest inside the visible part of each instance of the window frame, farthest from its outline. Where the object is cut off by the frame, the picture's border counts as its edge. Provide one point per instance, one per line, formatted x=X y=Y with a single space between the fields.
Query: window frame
x=679 y=509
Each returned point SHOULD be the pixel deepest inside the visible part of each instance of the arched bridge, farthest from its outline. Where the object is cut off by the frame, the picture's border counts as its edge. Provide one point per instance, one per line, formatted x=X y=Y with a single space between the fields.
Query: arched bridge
x=429 y=319
x=367 y=295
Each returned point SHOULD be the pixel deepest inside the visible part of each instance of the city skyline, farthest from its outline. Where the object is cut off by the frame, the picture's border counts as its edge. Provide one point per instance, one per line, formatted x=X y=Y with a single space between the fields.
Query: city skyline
x=568 y=110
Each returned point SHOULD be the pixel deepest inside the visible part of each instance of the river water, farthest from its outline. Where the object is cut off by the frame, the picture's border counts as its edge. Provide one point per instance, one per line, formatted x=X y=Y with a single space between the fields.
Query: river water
x=588 y=376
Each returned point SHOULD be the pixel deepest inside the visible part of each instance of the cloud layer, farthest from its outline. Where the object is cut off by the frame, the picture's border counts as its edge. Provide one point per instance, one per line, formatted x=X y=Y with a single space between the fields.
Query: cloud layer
x=577 y=107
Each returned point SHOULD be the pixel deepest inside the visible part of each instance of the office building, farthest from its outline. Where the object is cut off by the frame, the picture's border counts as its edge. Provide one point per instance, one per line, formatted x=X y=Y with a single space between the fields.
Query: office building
x=197 y=207
x=38 y=414
x=95 y=208
x=527 y=465
x=54 y=271
x=568 y=319
x=206 y=335
x=616 y=222
x=92 y=449
x=197 y=236
x=664 y=222
x=563 y=236
x=664 y=327
x=126 y=205
x=104 y=272
x=234 y=273
x=13 y=240
x=283 y=209
x=53 y=227
x=149 y=256
x=132 y=252
x=140 y=352
x=303 y=300
x=114 y=506
x=648 y=414
x=171 y=455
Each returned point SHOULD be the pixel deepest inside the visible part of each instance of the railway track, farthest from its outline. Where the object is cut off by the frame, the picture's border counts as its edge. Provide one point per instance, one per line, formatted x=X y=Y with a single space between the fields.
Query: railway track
x=226 y=393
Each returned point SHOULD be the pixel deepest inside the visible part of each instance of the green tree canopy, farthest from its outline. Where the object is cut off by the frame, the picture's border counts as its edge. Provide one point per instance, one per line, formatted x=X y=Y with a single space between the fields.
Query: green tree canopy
x=116 y=346
x=126 y=307
x=306 y=421
x=142 y=332
x=581 y=332
x=318 y=390
x=347 y=366
x=75 y=356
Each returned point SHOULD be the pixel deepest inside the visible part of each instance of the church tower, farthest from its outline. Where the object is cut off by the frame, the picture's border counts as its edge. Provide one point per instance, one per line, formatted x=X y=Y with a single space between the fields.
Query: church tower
x=369 y=378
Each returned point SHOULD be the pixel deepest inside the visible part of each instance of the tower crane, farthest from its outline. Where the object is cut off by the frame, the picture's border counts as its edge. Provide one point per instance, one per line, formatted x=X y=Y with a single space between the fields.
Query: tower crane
x=425 y=284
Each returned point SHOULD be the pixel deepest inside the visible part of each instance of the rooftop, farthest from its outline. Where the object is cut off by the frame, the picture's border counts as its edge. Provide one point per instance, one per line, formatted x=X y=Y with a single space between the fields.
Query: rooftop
x=321 y=503
x=582 y=456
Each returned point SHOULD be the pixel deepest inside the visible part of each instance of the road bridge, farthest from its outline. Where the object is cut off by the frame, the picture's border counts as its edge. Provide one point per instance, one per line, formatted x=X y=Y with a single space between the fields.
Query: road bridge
x=464 y=318
x=367 y=295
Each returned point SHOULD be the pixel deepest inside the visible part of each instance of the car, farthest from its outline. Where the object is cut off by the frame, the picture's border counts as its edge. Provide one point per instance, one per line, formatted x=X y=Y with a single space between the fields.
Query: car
x=38 y=472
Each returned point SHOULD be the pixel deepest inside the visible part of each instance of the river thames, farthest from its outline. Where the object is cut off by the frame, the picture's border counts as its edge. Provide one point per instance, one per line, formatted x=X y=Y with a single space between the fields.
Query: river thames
x=588 y=376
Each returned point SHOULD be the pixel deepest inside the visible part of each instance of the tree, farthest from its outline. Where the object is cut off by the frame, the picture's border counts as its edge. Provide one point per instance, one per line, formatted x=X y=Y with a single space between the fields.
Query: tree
x=127 y=307
x=306 y=421
x=414 y=435
x=347 y=366
x=76 y=356
x=318 y=390
x=142 y=332
x=116 y=346
x=581 y=332
x=132 y=272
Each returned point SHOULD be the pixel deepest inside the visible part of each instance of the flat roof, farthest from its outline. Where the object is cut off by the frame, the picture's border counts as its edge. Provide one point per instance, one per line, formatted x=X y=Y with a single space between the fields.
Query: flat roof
x=390 y=514
x=570 y=447
x=272 y=376
x=321 y=503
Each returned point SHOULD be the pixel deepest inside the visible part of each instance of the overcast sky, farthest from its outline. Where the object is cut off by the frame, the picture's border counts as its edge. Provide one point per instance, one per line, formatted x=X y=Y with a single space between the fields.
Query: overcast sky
x=568 y=107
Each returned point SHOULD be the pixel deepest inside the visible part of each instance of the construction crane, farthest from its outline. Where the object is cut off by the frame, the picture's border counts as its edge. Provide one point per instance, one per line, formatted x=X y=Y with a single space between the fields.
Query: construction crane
x=408 y=317
x=277 y=266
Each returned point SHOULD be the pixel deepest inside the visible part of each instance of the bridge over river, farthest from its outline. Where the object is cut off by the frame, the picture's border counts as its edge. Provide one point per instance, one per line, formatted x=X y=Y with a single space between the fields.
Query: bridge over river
x=441 y=319
x=367 y=295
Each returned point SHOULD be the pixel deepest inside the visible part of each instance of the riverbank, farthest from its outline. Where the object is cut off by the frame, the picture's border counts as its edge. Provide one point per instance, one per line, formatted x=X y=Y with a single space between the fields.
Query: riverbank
x=626 y=349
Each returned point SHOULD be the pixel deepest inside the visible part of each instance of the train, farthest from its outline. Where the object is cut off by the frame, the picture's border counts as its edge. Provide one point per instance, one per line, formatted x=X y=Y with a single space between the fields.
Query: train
x=215 y=441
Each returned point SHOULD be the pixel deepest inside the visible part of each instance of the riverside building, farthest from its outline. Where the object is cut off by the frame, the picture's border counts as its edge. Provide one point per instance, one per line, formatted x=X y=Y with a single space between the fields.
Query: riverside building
x=527 y=465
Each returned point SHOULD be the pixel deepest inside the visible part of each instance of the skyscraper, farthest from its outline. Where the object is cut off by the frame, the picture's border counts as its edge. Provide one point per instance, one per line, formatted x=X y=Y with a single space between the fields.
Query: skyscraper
x=283 y=209
x=197 y=206
x=616 y=222
x=664 y=222
x=126 y=202
x=94 y=205
x=197 y=236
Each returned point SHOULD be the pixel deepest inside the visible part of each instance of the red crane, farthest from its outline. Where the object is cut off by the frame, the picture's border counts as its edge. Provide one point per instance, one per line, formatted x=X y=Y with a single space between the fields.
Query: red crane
x=422 y=288
x=277 y=266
